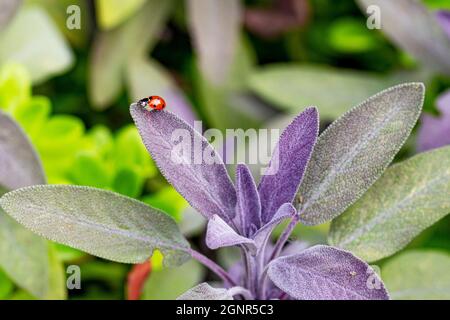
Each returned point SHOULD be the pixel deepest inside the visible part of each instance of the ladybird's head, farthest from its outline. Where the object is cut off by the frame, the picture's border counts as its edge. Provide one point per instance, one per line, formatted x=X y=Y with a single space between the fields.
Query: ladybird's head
x=142 y=103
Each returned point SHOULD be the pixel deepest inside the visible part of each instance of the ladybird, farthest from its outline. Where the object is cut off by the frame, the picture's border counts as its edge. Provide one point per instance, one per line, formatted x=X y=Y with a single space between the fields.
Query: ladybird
x=152 y=103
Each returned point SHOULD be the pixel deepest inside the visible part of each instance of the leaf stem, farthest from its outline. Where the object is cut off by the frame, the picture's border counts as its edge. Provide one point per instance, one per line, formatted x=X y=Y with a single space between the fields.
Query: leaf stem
x=284 y=237
x=241 y=291
x=212 y=266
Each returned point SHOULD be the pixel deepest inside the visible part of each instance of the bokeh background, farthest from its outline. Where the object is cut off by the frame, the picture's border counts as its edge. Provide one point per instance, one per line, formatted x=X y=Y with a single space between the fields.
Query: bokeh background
x=69 y=70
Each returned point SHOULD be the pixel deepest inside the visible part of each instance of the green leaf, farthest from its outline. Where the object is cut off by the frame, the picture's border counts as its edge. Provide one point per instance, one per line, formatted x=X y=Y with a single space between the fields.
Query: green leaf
x=111 y=13
x=292 y=87
x=89 y=170
x=19 y=164
x=128 y=183
x=350 y=35
x=408 y=198
x=99 y=222
x=418 y=275
x=39 y=45
x=352 y=153
x=168 y=200
x=24 y=257
x=6 y=285
x=168 y=284
x=33 y=114
x=15 y=86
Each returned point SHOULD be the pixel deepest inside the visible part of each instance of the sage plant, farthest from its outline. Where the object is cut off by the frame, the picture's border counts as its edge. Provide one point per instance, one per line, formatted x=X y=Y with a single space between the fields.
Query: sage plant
x=316 y=180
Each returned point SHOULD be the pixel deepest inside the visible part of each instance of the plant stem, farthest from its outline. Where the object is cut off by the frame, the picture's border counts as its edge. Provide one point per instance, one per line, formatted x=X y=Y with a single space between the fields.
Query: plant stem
x=284 y=237
x=212 y=266
x=241 y=291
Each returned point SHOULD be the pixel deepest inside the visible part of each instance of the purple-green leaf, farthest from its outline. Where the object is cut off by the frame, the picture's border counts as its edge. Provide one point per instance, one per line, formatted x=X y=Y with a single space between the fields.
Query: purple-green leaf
x=326 y=273
x=187 y=161
x=352 y=153
x=19 y=164
x=289 y=160
x=99 y=222
x=204 y=291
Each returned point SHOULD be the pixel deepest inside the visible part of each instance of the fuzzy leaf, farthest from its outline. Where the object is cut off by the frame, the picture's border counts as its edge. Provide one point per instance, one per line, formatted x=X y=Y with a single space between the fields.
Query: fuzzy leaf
x=249 y=205
x=352 y=153
x=204 y=291
x=214 y=26
x=408 y=198
x=19 y=164
x=326 y=273
x=99 y=222
x=24 y=256
x=220 y=234
x=418 y=275
x=434 y=132
x=415 y=29
x=289 y=160
x=202 y=180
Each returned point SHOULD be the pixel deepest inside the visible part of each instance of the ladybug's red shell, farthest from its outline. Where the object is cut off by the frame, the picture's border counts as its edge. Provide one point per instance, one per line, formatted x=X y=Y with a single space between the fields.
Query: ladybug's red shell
x=152 y=103
x=156 y=102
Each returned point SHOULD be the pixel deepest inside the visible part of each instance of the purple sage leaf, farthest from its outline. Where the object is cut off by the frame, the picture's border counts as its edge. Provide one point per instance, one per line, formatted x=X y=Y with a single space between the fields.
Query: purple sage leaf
x=175 y=147
x=204 y=291
x=326 y=273
x=249 y=205
x=19 y=164
x=443 y=17
x=219 y=234
x=352 y=153
x=434 y=132
x=287 y=166
x=284 y=212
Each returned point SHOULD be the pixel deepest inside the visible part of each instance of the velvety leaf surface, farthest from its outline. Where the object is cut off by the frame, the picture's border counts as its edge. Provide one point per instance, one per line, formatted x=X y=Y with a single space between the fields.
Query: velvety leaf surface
x=143 y=74
x=408 y=198
x=214 y=27
x=169 y=283
x=444 y=20
x=289 y=160
x=99 y=222
x=173 y=144
x=415 y=29
x=204 y=291
x=434 y=132
x=39 y=45
x=220 y=234
x=249 y=205
x=19 y=163
x=352 y=153
x=418 y=275
x=326 y=273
